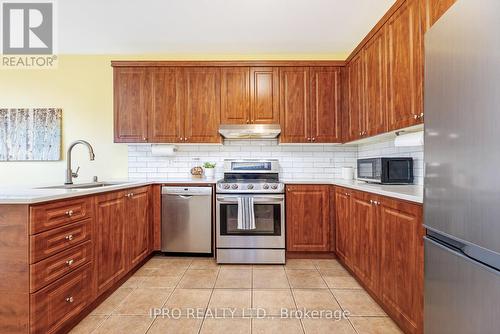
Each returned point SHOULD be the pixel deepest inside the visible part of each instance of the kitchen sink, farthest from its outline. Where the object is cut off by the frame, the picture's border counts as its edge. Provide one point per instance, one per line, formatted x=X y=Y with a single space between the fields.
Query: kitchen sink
x=84 y=185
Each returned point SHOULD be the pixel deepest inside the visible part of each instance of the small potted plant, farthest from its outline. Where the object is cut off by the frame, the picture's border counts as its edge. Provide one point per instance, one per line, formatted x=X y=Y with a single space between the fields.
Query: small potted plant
x=209 y=168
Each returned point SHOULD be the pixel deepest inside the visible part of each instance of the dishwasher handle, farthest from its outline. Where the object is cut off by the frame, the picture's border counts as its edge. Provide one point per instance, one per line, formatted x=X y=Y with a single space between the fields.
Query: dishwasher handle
x=187 y=192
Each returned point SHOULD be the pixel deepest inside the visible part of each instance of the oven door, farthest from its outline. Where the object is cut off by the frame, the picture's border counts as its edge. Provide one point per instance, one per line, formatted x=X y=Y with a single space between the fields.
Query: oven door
x=269 y=221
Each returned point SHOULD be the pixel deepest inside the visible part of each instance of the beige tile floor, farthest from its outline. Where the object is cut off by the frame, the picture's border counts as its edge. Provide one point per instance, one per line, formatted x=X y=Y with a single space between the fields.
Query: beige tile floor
x=200 y=290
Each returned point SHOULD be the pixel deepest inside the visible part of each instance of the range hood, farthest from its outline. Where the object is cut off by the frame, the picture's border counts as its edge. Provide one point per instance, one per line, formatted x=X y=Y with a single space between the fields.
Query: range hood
x=250 y=131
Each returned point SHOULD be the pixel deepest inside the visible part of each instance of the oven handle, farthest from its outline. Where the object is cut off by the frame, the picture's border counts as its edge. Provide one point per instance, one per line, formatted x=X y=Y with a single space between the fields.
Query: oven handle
x=277 y=199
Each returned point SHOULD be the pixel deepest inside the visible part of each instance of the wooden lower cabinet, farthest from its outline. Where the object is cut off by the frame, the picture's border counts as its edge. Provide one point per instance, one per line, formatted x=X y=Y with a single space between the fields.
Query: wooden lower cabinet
x=57 y=304
x=308 y=218
x=139 y=226
x=110 y=247
x=380 y=240
x=364 y=239
x=58 y=259
x=402 y=262
x=343 y=234
x=123 y=234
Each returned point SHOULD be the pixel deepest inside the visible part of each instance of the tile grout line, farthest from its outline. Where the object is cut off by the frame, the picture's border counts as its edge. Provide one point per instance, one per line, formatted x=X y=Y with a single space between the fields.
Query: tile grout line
x=338 y=302
x=293 y=298
x=209 y=299
x=171 y=293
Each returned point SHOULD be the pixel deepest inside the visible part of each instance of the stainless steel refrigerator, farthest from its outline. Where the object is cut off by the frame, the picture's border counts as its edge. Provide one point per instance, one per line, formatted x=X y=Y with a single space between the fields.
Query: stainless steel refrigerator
x=462 y=170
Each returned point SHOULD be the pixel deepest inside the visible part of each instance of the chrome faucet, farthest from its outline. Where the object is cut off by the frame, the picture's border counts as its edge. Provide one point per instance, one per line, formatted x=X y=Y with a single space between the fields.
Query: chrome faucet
x=69 y=172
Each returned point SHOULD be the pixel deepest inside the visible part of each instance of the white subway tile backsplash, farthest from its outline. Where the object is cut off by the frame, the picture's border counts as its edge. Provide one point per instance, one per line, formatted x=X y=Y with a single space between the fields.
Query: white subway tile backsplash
x=296 y=161
x=387 y=149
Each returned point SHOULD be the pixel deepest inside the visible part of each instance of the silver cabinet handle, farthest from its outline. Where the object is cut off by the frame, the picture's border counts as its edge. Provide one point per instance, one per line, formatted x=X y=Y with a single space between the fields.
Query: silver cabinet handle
x=70 y=262
x=185 y=138
x=372 y=202
x=69 y=299
x=69 y=213
x=69 y=237
x=313 y=139
x=308 y=138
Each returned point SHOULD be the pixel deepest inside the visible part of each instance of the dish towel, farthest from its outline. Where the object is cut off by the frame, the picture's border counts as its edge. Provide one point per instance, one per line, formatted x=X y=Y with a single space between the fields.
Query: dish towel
x=246 y=215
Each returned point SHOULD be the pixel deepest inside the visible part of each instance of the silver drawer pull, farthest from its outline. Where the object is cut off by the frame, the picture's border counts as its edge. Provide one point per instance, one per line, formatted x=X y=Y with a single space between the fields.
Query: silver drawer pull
x=70 y=262
x=69 y=299
x=69 y=237
x=69 y=213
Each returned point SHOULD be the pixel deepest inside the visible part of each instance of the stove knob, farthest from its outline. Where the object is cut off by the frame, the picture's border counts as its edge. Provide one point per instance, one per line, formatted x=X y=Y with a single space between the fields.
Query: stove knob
x=226 y=186
x=250 y=186
x=274 y=186
x=265 y=186
x=234 y=186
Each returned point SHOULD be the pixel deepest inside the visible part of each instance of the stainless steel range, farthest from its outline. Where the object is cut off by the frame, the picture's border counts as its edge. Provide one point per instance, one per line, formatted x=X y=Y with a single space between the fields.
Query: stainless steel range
x=250 y=213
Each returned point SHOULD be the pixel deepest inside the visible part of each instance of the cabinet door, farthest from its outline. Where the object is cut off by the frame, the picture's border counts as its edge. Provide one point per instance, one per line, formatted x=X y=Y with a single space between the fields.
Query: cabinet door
x=325 y=104
x=264 y=101
x=365 y=247
x=131 y=95
x=201 y=104
x=110 y=254
x=375 y=88
x=343 y=226
x=165 y=125
x=235 y=95
x=401 y=235
x=294 y=105
x=138 y=225
x=308 y=218
x=355 y=125
x=405 y=69
x=436 y=9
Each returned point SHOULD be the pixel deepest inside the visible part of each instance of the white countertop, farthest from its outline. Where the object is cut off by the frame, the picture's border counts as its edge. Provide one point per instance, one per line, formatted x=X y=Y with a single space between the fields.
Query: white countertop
x=412 y=193
x=32 y=195
x=37 y=194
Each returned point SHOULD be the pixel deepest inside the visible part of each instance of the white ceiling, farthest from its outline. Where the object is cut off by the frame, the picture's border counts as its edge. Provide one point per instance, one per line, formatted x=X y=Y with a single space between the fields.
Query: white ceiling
x=201 y=27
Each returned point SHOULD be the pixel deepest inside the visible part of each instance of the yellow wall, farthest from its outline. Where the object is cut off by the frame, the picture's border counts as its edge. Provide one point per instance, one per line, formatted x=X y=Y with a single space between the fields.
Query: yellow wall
x=82 y=86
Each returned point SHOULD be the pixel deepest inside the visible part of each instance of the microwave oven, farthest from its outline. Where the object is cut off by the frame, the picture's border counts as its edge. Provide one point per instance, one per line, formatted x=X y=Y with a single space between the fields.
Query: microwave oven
x=386 y=170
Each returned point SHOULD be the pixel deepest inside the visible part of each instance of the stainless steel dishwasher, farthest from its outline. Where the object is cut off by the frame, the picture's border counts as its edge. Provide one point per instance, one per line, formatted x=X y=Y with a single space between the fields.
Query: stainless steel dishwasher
x=186 y=219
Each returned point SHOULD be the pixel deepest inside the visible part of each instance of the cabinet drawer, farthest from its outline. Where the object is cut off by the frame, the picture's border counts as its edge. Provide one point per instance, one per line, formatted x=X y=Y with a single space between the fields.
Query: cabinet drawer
x=54 y=241
x=57 y=304
x=48 y=216
x=55 y=267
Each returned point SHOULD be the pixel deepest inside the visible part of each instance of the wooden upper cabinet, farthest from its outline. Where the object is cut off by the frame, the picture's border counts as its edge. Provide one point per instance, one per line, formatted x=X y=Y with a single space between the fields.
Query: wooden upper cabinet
x=111 y=257
x=132 y=89
x=202 y=104
x=235 y=95
x=166 y=123
x=402 y=268
x=325 y=105
x=355 y=120
x=436 y=9
x=308 y=218
x=264 y=95
x=249 y=95
x=375 y=84
x=294 y=105
x=405 y=66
